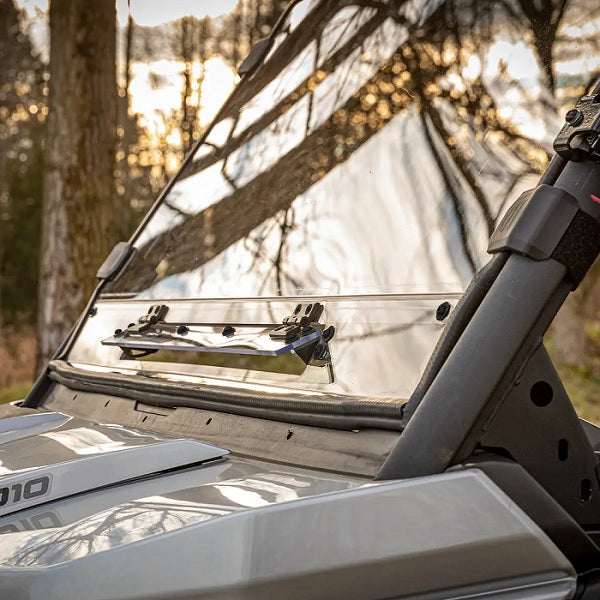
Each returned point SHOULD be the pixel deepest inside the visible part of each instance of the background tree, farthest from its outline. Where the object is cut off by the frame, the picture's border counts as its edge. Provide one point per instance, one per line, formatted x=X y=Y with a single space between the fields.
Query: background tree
x=136 y=183
x=79 y=193
x=544 y=19
x=22 y=121
x=193 y=39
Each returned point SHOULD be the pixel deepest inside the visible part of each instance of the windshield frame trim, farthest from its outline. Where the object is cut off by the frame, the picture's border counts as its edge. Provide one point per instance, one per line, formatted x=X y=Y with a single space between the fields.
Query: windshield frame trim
x=330 y=411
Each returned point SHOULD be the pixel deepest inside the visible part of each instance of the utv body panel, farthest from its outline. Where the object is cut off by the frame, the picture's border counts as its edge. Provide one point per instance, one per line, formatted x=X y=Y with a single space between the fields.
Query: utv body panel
x=70 y=456
x=238 y=529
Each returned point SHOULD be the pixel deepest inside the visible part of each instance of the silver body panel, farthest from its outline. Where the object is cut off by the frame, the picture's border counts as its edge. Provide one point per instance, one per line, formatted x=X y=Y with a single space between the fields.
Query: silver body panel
x=243 y=529
x=62 y=456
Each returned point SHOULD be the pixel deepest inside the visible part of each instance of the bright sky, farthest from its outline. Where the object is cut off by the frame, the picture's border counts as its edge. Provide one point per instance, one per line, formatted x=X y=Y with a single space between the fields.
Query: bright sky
x=153 y=12
x=149 y=100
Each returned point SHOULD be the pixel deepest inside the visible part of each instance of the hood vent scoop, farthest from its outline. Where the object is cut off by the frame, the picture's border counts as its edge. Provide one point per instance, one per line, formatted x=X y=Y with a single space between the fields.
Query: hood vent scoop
x=48 y=456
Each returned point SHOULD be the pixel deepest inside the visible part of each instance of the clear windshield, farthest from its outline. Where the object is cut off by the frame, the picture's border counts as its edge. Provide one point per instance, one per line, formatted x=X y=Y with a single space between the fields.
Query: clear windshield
x=363 y=166
x=332 y=174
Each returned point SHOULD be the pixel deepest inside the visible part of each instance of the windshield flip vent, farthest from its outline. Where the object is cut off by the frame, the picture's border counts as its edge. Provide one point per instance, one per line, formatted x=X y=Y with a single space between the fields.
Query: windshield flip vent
x=299 y=342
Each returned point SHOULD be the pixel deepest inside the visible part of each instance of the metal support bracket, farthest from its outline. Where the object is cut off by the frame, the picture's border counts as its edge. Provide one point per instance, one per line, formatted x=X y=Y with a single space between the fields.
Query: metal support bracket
x=537 y=426
x=114 y=261
x=156 y=314
x=579 y=139
x=304 y=317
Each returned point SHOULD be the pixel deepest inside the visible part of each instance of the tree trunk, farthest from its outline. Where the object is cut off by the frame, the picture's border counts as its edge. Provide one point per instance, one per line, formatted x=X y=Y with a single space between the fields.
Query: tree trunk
x=188 y=110
x=544 y=44
x=544 y=19
x=128 y=46
x=79 y=199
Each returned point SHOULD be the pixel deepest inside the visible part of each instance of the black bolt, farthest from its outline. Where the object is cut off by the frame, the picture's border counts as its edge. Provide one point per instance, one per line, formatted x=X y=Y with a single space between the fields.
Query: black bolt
x=228 y=331
x=118 y=332
x=182 y=330
x=321 y=352
x=92 y=312
x=574 y=117
x=328 y=333
x=443 y=310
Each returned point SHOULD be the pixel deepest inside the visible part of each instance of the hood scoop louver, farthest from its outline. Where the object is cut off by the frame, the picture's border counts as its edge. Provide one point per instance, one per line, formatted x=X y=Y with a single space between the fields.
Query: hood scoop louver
x=48 y=456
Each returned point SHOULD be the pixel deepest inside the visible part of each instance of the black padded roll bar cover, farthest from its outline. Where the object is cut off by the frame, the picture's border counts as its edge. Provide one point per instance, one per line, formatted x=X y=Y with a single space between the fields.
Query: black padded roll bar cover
x=535 y=224
x=114 y=261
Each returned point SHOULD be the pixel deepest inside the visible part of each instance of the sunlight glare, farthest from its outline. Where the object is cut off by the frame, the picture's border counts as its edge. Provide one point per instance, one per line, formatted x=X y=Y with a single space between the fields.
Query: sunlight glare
x=518 y=59
x=219 y=80
x=157 y=12
x=156 y=90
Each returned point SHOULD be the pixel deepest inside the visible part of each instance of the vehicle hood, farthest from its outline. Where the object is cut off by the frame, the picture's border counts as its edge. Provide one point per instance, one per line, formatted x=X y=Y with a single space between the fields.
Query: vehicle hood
x=132 y=514
x=57 y=470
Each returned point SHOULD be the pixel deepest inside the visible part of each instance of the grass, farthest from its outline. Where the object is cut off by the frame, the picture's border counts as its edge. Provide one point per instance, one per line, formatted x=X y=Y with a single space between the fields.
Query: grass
x=583 y=386
x=17 y=363
x=582 y=381
x=14 y=392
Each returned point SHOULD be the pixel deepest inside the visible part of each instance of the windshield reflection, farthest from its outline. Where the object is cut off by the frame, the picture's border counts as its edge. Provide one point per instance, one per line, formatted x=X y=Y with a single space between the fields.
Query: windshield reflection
x=74 y=528
x=372 y=154
x=376 y=159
